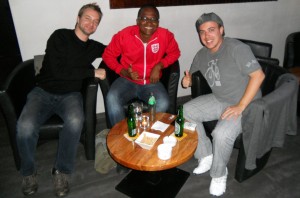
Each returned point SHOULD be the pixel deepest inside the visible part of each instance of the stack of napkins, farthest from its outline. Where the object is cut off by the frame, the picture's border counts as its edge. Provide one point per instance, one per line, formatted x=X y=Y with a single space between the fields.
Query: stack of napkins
x=190 y=126
x=160 y=126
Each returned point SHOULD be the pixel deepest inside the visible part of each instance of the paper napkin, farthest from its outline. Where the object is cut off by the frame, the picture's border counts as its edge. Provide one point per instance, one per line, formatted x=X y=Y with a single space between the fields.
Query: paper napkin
x=160 y=126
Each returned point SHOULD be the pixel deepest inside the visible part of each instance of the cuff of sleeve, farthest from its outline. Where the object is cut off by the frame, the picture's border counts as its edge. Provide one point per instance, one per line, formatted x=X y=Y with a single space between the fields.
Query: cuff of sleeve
x=118 y=70
x=164 y=63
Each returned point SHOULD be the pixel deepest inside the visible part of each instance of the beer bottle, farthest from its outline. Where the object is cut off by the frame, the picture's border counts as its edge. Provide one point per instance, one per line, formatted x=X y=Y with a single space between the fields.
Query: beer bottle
x=152 y=107
x=131 y=122
x=179 y=122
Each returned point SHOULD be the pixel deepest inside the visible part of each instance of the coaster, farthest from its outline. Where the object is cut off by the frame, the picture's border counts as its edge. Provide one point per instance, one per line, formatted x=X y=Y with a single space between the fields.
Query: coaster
x=130 y=138
x=180 y=138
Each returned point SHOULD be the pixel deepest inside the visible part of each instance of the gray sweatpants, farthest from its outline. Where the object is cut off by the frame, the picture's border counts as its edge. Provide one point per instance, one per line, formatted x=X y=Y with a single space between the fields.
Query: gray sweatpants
x=207 y=108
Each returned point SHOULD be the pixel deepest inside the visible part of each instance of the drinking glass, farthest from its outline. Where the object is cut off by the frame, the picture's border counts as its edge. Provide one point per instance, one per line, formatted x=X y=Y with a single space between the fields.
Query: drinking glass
x=138 y=110
x=145 y=123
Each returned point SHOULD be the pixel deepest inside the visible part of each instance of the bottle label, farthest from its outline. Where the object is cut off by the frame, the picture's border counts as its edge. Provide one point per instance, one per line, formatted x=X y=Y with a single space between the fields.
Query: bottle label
x=177 y=129
x=132 y=133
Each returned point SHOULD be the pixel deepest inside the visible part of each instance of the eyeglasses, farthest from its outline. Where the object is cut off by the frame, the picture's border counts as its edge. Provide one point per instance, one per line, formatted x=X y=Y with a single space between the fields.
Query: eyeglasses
x=146 y=19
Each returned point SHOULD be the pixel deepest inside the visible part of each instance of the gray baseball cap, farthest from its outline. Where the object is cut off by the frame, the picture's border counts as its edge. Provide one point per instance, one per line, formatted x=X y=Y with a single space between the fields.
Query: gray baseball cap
x=208 y=17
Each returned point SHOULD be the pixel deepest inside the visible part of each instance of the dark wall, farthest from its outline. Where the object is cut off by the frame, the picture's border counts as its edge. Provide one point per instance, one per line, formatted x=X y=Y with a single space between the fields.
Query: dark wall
x=10 y=54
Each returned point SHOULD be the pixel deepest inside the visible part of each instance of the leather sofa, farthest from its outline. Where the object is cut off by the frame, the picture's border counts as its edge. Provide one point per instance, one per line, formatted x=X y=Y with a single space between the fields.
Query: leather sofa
x=13 y=95
x=170 y=79
x=200 y=87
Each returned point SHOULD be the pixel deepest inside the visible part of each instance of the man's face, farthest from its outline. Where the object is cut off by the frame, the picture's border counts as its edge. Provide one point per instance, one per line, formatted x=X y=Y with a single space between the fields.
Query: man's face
x=88 y=22
x=148 y=22
x=211 y=35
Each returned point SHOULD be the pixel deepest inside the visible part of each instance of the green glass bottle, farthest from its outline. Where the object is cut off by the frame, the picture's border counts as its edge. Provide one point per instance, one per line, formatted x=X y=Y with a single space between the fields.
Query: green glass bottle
x=131 y=122
x=179 y=123
x=152 y=107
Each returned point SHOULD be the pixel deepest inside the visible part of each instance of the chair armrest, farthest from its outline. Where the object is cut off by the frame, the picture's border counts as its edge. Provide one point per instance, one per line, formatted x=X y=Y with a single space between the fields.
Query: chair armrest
x=199 y=85
x=13 y=96
x=89 y=95
x=111 y=75
x=266 y=120
x=19 y=83
x=105 y=84
x=170 y=79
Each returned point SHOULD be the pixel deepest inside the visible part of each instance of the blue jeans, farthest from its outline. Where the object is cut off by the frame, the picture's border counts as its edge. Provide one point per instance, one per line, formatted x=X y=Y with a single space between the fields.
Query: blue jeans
x=39 y=107
x=207 y=108
x=123 y=90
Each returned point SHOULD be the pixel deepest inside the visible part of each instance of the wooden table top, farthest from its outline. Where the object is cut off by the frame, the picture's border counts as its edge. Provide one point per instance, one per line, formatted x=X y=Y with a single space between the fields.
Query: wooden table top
x=135 y=157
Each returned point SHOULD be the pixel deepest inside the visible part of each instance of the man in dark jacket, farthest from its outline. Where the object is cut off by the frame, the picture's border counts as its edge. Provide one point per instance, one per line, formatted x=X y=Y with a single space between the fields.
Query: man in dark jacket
x=69 y=53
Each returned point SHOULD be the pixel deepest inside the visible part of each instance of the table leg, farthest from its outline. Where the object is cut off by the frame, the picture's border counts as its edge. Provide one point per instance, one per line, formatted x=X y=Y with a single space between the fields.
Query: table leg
x=165 y=184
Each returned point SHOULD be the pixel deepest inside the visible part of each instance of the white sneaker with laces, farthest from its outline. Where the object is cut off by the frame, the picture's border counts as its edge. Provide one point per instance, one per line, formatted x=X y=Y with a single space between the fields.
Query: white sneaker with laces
x=218 y=185
x=204 y=165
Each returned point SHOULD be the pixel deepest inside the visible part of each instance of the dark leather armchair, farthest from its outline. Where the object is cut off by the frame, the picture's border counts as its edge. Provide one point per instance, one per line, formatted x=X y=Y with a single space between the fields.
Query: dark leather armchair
x=13 y=95
x=200 y=87
x=292 y=56
x=292 y=50
x=259 y=48
x=262 y=51
x=170 y=79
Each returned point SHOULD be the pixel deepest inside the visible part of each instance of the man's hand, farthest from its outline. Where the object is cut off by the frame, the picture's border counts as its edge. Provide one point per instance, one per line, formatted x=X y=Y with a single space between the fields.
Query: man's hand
x=130 y=74
x=187 y=80
x=154 y=76
x=256 y=78
x=100 y=73
x=133 y=74
x=233 y=112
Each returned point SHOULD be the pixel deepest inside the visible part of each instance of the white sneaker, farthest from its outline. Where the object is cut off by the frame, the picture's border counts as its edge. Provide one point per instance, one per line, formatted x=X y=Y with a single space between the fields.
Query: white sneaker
x=204 y=165
x=218 y=185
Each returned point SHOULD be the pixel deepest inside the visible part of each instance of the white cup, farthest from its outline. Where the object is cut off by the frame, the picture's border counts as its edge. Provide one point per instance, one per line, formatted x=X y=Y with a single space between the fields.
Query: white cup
x=171 y=140
x=164 y=151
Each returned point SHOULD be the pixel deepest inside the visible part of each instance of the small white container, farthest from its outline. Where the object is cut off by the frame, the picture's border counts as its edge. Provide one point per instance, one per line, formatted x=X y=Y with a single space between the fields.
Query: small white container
x=171 y=140
x=142 y=140
x=164 y=151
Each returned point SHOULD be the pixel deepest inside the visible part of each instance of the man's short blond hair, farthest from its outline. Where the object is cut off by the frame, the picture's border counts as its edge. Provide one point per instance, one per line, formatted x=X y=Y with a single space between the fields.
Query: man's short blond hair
x=93 y=6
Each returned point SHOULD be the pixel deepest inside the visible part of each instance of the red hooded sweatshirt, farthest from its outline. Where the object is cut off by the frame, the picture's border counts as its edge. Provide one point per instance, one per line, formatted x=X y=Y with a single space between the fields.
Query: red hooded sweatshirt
x=162 y=47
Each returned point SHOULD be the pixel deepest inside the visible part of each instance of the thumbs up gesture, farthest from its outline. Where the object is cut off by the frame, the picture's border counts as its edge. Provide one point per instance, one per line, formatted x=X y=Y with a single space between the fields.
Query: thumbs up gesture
x=133 y=74
x=187 y=80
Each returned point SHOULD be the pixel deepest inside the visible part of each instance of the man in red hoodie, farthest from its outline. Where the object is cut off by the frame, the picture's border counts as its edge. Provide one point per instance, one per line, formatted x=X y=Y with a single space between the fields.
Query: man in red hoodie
x=145 y=49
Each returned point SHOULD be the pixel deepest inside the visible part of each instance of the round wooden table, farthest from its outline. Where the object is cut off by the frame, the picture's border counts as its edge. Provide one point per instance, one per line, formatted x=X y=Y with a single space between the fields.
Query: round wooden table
x=135 y=157
x=154 y=177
